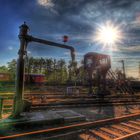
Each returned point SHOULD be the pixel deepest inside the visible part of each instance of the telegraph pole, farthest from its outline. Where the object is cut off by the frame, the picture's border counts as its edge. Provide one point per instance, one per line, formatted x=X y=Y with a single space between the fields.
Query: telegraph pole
x=123 y=68
x=139 y=70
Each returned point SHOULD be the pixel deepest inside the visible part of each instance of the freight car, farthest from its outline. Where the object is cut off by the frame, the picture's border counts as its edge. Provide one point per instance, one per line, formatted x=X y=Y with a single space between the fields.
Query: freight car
x=34 y=78
x=4 y=77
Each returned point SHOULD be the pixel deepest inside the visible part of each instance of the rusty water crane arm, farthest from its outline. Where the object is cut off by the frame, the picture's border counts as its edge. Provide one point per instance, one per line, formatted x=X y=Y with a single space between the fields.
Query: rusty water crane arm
x=46 y=42
x=24 y=38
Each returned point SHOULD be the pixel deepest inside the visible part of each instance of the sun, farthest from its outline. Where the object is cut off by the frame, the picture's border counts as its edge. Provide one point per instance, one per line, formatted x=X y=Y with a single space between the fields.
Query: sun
x=108 y=34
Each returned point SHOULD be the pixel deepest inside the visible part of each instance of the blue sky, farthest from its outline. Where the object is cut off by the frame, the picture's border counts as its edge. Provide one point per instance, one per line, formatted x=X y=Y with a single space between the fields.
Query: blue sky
x=51 y=19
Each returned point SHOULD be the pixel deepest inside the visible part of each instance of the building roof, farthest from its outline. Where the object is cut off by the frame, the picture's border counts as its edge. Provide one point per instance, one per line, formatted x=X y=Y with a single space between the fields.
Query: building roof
x=96 y=54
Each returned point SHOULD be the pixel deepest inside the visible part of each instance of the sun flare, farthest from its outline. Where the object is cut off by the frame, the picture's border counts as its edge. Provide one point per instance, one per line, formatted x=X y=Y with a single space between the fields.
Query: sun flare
x=108 y=35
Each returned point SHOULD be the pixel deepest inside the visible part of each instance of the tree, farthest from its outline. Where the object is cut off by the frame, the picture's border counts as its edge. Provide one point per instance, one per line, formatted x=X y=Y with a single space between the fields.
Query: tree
x=3 y=69
x=72 y=67
x=62 y=72
x=41 y=64
x=48 y=69
x=12 y=68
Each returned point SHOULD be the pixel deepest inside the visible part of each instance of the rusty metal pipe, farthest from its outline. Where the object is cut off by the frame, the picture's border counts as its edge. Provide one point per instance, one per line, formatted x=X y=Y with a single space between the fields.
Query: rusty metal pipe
x=46 y=42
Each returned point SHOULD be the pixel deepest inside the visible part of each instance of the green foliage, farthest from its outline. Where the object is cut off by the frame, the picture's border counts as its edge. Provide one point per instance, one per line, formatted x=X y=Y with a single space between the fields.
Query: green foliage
x=56 y=71
x=3 y=69
x=12 y=69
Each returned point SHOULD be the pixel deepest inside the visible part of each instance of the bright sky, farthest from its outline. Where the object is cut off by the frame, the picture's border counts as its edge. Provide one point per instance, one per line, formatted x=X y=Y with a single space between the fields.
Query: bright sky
x=79 y=19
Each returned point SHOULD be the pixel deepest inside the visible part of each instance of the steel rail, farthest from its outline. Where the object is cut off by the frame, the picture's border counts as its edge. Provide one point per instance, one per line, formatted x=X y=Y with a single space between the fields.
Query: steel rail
x=79 y=126
x=128 y=136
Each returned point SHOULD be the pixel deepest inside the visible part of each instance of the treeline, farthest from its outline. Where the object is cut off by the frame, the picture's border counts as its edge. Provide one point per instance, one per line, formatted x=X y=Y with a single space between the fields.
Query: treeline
x=56 y=71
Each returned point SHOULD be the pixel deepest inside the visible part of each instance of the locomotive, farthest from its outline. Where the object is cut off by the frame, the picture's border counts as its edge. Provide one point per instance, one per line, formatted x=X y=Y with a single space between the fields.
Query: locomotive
x=96 y=66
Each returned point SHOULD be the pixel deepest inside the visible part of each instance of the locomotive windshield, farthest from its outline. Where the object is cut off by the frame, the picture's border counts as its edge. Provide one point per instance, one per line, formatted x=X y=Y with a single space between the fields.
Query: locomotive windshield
x=89 y=62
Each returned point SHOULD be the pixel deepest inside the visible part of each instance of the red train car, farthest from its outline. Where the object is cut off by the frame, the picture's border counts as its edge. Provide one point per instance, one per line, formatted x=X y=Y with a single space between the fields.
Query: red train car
x=35 y=78
x=5 y=77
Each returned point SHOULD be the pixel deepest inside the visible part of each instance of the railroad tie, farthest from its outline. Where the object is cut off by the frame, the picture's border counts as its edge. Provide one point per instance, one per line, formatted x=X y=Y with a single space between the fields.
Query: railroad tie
x=99 y=134
x=111 y=132
x=135 y=123
x=122 y=129
x=132 y=126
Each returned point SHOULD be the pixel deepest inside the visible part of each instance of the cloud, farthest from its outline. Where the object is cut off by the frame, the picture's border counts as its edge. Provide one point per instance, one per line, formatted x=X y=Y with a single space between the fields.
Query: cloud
x=128 y=49
x=51 y=19
x=29 y=52
x=46 y=3
x=10 y=48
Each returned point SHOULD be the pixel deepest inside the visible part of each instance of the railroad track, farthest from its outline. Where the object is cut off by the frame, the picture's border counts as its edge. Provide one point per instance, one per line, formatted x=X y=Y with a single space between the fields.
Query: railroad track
x=120 y=128
x=124 y=130
x=82 y=104
x=53 y=102
x=80 y=95
x=63 y=95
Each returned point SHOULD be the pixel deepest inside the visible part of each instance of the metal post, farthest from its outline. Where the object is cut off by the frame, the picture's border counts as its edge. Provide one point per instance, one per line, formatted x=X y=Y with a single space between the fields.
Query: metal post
x=1 y=106
x=139 y=70
x=123 y=68
x=18 y=103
